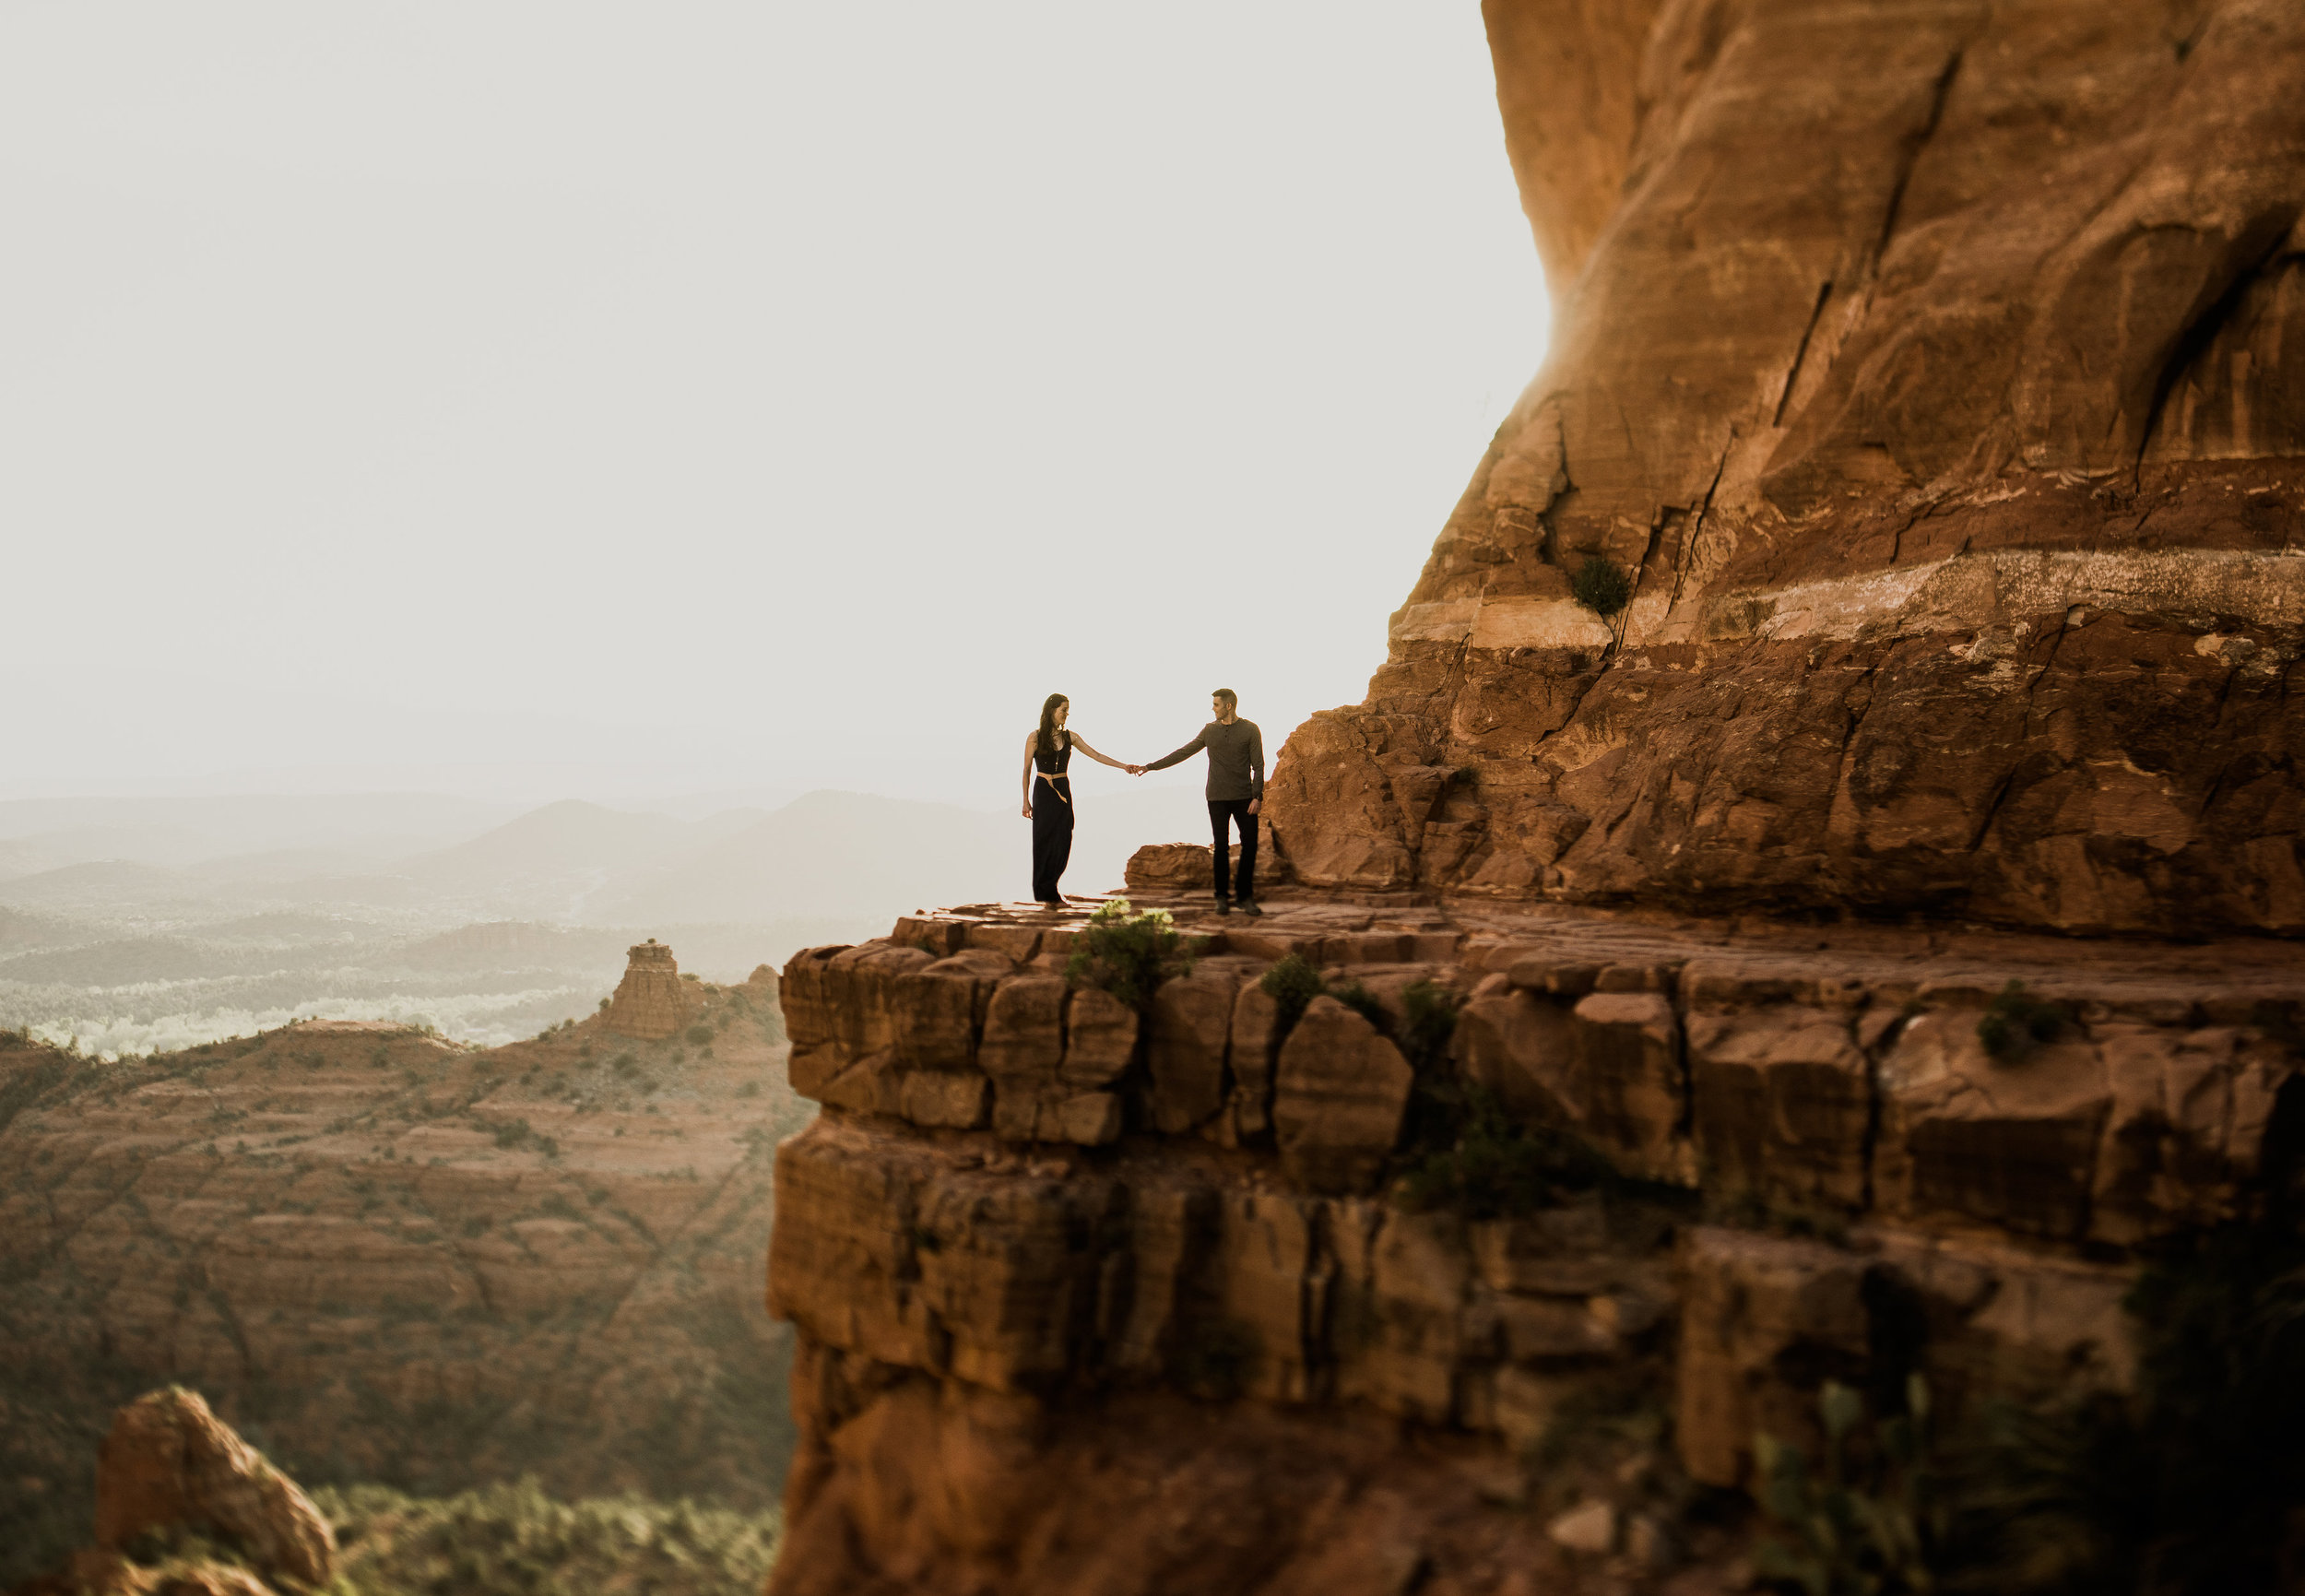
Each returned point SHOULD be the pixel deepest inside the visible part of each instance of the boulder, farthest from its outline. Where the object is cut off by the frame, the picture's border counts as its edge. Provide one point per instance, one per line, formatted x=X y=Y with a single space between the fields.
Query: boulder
x=1783 y=1103
x=1100 y=1040
x=171 y=1465
x=1606 y=1065
x=1340 y=1093
x=1253 y=1048
x=1022 y=1050
x=938 y=1009
x=1053 y=1054
x=1173 y=867
x=1189 y=1027
x=1403 y=1300
x=2013 y=1145
x=840 y=1013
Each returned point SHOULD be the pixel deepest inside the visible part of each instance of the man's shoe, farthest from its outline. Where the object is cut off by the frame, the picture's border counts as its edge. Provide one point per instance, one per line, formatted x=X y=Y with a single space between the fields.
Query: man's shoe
x=1224 y=906
x=1249 y=906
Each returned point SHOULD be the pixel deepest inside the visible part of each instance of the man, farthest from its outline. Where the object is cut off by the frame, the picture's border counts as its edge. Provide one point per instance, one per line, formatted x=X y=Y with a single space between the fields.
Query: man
x=1236 y=789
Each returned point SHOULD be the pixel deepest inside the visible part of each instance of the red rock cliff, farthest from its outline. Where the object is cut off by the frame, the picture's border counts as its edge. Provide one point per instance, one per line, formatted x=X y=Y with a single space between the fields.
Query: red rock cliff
x=1108 y=1302
x=1934 y=378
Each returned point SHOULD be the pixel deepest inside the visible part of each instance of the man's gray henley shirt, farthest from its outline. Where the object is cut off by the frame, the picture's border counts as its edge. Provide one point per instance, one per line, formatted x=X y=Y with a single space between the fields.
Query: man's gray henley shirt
x=1236 y=758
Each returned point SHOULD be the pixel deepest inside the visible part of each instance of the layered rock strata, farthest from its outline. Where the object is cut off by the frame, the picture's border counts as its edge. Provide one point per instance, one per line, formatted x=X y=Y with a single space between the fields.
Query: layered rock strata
x=1050 y=1346
x=1934 y=383
x=400 y=1260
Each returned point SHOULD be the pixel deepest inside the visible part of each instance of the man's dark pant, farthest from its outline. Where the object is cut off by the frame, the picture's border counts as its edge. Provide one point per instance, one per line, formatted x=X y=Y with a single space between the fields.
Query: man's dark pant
x=1236 y=810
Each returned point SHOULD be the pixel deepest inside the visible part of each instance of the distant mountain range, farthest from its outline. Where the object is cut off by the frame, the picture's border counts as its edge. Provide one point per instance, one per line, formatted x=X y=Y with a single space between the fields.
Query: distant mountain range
x=507 y=923
x=826 y=854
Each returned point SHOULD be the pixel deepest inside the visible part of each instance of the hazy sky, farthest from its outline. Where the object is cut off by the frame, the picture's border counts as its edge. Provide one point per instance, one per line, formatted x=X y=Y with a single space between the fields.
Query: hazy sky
x=609 y=400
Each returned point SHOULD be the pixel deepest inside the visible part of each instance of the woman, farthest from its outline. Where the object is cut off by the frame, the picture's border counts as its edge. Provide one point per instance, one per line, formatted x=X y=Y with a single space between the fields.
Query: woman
x=1047 y=753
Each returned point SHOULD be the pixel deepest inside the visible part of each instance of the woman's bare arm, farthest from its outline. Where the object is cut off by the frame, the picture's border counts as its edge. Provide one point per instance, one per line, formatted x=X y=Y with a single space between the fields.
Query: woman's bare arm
x=1032 y=745
x=1082 y=743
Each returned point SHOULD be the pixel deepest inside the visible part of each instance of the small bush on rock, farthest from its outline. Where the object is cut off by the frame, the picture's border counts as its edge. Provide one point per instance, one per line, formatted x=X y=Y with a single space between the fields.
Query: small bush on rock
x=1129 y=955
x=1362 y=1002
x=1429 y=1012
x=2014 y=1023
x=1600 y=586
x=1438 y=1104
x=1292 y=984
x=1869 y=1523
x=1491 y=1168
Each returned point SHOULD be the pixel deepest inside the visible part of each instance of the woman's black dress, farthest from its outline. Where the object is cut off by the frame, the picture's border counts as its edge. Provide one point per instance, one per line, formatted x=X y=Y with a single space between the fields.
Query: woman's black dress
x=1052 y=818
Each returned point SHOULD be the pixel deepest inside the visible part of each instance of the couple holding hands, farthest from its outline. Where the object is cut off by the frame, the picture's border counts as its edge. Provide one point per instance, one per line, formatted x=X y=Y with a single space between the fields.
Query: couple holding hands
x=1235 y=791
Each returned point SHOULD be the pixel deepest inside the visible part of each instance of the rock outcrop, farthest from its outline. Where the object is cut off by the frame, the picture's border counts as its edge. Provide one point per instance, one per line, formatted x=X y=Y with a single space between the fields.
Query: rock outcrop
x=185 y=1508
x=1896 y=563
x=1934 y=385
x=404 y=1260
x=1217 y=1334
x=650 y=1003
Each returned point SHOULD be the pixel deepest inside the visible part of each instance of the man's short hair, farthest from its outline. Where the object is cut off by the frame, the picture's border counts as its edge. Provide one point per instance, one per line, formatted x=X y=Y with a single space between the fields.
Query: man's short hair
x=1228 y=696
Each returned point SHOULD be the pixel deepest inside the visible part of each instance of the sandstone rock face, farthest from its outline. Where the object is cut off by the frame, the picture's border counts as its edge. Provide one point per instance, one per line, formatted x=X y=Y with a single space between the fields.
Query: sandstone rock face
x=407 y=1261
x=1956 y=476
x=1989 y=1319
x=1607 y=1065
x=1339 y=1096
x=170 y=1464
x=1021 y=1348
x=650 y=1003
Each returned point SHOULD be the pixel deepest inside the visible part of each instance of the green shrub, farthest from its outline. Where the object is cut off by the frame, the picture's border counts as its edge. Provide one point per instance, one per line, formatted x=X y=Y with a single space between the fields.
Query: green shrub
x=512 y=1540
x=518 y=1133
x=2014 y=1023
x=1292 y=984
x=1490 y=1167
x=1362 y=1002
x=700 y=1035
x=1871 y=1523
x=1600 y=586
x=1429 y=1024
x=1129 y=955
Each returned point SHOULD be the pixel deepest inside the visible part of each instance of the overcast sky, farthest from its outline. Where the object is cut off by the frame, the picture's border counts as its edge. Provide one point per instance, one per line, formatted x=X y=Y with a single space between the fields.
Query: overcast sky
x=613 y=400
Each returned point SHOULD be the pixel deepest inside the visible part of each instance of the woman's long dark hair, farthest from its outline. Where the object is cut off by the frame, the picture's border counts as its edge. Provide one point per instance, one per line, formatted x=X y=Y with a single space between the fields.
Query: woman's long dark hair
x=1048 y=743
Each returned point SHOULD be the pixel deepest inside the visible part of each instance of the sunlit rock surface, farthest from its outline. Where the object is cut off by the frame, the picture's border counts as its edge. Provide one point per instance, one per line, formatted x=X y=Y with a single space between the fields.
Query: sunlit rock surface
x=1936 y=381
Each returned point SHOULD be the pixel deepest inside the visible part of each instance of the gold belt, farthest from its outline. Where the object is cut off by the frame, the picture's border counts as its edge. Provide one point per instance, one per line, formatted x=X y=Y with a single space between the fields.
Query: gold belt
x=1052 y=780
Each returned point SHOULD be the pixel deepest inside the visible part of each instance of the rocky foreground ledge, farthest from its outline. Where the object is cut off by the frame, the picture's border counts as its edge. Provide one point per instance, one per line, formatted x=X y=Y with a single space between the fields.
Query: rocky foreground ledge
x=1100 y=1300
